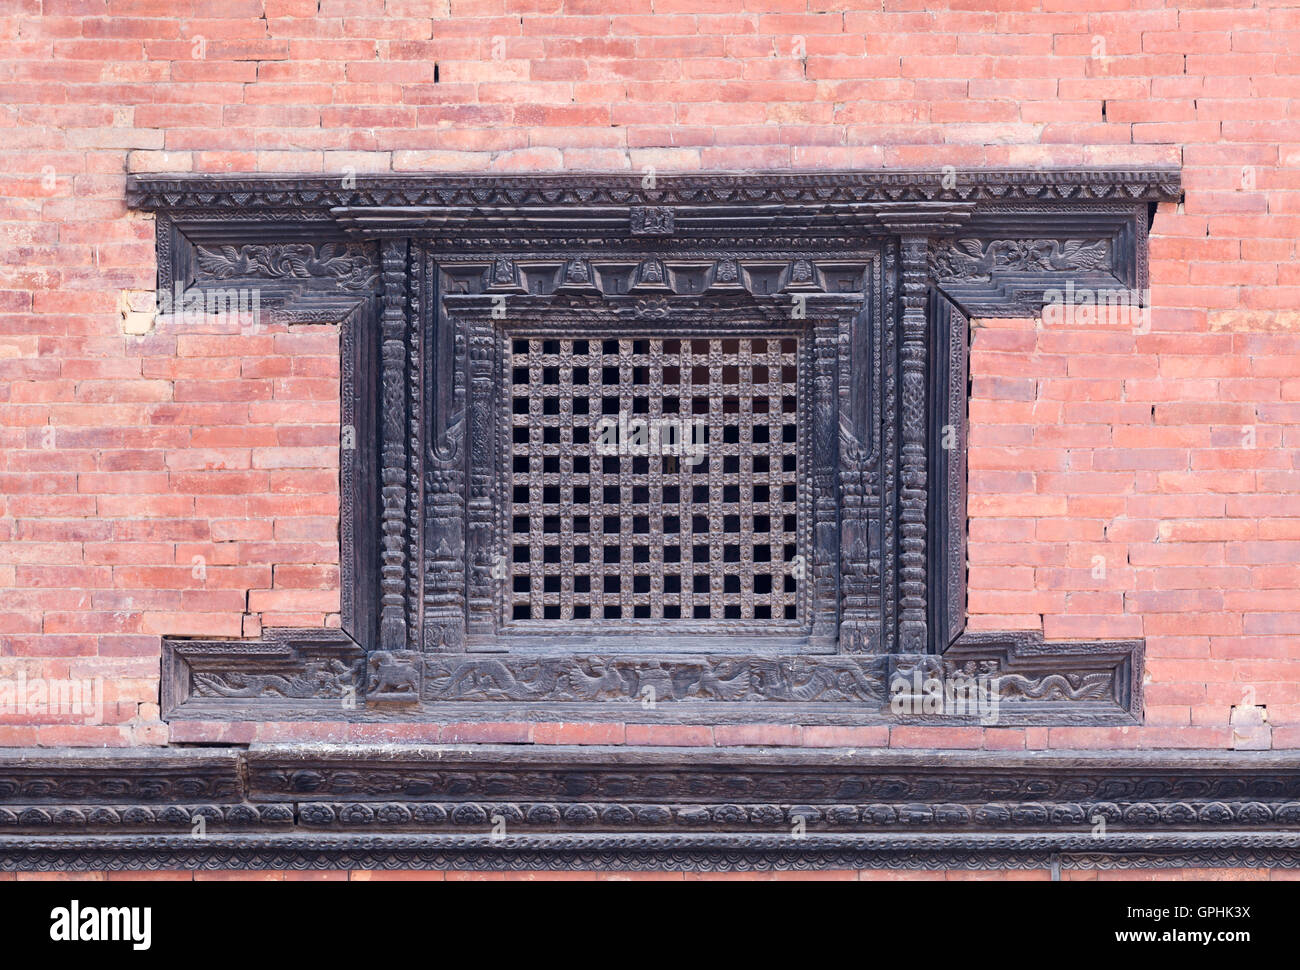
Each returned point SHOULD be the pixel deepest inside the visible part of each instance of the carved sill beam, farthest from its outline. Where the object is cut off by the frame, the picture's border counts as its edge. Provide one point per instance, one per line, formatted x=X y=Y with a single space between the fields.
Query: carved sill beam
x=394 y=806
x=304 y=676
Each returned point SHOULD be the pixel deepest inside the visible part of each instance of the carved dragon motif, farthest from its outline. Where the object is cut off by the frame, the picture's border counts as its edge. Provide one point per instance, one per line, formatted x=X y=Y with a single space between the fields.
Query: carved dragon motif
x=978 y=259
x=324 y=677
x=347 y=264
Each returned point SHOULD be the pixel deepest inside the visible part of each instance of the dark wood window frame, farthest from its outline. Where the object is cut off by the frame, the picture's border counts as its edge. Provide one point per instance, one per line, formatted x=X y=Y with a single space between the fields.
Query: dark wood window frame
x=886 y=269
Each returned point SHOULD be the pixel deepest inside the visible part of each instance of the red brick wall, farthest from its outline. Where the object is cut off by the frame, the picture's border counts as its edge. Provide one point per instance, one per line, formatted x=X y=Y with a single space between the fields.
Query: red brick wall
x=158 y=480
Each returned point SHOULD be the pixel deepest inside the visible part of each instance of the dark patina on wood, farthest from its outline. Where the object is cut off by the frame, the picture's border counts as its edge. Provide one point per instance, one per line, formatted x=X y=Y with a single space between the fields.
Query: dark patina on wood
x=441 y=283
x=547 y=807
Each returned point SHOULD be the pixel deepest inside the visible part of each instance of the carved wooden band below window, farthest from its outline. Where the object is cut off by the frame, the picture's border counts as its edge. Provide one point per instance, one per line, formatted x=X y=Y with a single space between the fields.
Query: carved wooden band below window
x=994 y=680
x=325 y=806
x=530 y=526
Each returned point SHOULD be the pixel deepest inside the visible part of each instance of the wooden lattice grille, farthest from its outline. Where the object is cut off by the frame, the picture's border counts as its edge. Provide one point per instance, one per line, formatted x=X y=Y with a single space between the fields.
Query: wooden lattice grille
x=655 y=483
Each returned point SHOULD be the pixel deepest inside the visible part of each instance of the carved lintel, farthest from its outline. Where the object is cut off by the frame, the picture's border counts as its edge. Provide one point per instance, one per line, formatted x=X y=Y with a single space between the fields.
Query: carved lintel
x=400 y=198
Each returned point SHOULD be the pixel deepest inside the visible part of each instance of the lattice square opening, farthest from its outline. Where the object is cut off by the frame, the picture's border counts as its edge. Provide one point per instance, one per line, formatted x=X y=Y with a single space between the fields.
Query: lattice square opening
x=656 y=484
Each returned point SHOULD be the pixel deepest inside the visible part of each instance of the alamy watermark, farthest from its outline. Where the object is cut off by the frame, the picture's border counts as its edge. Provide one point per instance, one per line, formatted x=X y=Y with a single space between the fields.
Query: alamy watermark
x=199 y=306
x=625 y=435
x=53 y=700
x=1117 y=308
x=75 y=923
x=954 y=695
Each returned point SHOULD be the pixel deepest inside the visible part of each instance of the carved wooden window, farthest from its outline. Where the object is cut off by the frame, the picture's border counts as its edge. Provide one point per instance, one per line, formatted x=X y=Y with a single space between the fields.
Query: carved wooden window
x=500 y=563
